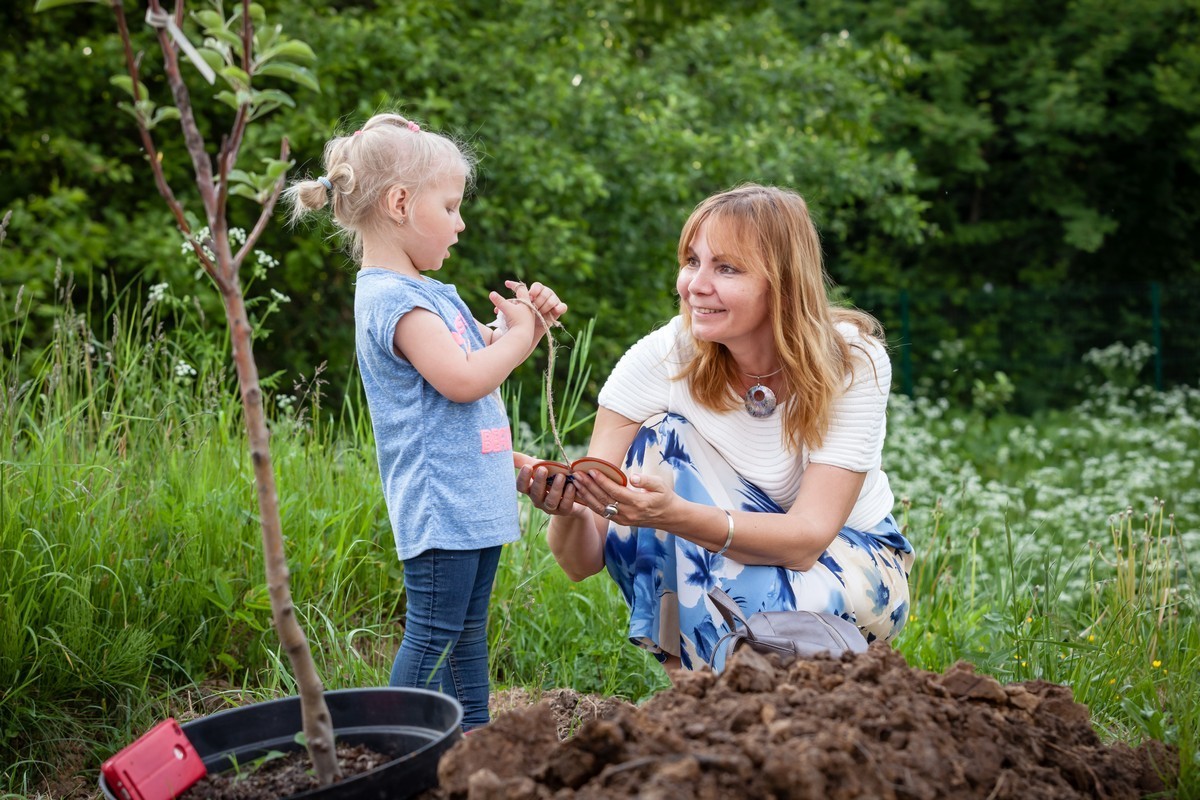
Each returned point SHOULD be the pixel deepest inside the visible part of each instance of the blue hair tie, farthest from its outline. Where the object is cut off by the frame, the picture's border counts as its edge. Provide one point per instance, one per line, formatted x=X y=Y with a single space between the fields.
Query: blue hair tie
x=326 y=183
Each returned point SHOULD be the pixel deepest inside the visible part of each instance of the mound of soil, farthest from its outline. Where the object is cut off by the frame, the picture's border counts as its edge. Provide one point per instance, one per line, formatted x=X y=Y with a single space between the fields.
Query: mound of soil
x=866 y=726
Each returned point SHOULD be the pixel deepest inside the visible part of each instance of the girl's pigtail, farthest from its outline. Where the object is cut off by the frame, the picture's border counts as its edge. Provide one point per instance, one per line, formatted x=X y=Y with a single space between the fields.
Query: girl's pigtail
x=307 y=196
x=304 y=197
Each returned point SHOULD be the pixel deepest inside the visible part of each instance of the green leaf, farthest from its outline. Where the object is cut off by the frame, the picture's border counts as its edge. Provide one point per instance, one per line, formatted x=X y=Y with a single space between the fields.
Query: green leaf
x=242 y=190
x=214 y=58
x=209 y=19
x=236 y=76
x=277 y=168
x=228 y=661
x=163 y=114
x=228 y=98
x=126 y=83
x=240 y=176
x=274 y=96
x=130 y=110
x=257 y=14
x=227 y=37
x=293 y=50
x=44 y=5
x=291 y=72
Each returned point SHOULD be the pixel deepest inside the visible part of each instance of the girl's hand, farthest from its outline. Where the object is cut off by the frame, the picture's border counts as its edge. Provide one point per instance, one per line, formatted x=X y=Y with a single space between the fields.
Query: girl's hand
x=517 y=314
x=646 y=503
x=554 y=497
x=546 y=302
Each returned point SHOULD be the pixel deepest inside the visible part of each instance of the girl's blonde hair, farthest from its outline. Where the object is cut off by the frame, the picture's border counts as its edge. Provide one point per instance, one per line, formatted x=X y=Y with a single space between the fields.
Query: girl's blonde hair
x=361 y=167
x=768 y=231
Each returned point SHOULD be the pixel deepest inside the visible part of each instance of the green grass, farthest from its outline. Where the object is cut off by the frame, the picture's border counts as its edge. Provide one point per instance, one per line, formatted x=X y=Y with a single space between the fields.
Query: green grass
x=131 y=577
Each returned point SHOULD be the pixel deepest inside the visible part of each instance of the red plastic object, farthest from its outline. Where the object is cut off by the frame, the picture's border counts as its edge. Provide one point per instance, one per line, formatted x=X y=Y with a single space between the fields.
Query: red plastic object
x=161 y=765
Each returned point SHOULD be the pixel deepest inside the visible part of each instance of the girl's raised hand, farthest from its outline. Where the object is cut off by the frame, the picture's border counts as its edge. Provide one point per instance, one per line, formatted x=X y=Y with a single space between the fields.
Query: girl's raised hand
x=517 y=310
x=545 y=301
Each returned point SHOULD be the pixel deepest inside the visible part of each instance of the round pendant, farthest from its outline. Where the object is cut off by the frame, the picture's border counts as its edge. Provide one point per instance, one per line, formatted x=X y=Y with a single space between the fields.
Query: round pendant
x=760 y=401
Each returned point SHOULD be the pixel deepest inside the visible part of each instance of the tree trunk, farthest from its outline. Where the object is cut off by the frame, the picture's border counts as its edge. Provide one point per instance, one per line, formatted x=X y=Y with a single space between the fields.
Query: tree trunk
x=318 y=725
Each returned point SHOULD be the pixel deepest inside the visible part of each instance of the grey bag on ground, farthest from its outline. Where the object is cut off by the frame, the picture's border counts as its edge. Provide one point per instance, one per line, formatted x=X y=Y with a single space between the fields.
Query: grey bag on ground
x=797 y=633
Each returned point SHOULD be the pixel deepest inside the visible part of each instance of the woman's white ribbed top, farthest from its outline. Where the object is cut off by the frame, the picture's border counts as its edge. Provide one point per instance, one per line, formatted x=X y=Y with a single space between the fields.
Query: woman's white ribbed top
x=640 y=386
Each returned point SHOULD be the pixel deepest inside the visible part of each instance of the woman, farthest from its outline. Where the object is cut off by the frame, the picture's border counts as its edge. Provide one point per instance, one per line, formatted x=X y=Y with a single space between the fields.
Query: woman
x=752 y=429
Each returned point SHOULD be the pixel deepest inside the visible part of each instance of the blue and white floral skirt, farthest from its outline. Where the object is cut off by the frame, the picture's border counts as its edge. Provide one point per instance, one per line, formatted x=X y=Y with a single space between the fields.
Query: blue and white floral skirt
x=862 y=577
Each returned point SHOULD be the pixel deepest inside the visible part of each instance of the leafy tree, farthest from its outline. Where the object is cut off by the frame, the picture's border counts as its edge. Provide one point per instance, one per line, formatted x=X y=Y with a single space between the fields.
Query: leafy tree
x=237 y=48
x=599 y=130
x=1047 y=151
x=1056 y=147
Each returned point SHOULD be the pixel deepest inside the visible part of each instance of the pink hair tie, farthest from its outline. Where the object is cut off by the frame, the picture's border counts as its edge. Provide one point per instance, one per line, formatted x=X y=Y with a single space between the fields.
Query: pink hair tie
x=358 y=132
x=414 y=127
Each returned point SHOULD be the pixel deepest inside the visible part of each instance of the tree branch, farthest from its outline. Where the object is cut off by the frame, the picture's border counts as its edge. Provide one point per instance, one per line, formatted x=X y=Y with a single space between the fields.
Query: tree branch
x=267 y=209
x=231 y=146
x=187 y=119
x=160 y=179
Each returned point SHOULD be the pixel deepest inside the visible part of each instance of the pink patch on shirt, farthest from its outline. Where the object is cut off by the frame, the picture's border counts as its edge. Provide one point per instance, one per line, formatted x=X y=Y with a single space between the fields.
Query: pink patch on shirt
x=460 y=327
x=496 y=440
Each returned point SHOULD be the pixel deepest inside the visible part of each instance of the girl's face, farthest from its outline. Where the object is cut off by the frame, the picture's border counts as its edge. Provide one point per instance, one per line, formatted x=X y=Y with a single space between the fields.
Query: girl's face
x=434 y=222
x=727 y=303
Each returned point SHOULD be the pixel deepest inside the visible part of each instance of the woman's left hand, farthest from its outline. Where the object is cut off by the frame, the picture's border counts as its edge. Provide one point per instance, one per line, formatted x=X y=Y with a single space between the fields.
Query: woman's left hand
x=647 y=502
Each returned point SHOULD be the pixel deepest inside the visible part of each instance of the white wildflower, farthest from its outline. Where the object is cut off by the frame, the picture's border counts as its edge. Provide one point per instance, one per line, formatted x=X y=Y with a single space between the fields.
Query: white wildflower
x=184 y=372
x=156 y=294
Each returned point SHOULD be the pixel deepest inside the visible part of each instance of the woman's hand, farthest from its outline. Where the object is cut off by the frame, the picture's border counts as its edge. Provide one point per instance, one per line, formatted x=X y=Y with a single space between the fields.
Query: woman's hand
x=648 y=502
x=576 y=535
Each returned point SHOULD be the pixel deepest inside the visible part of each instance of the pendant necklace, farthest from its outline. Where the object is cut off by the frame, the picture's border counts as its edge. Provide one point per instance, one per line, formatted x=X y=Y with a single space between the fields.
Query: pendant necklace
x=759 y=399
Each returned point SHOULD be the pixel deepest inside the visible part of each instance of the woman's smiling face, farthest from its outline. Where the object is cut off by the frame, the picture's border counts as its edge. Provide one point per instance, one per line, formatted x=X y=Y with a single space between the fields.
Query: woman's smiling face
x=726 y=302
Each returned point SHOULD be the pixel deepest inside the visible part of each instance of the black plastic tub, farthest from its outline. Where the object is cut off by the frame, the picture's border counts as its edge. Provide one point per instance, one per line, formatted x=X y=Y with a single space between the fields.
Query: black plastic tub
x=413 y=726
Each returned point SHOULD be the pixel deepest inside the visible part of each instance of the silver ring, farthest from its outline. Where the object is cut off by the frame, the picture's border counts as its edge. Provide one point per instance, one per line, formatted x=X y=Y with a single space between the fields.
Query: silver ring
x=610 y=510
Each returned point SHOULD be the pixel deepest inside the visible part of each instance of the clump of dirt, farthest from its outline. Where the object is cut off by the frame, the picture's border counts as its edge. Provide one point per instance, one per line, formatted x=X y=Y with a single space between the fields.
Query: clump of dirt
x=865 y=726
x=569 y=709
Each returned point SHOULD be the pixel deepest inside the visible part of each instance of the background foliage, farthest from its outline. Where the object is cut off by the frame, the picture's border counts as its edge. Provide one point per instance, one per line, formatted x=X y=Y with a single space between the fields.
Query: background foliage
x=1059 y=547
x=1018 y=170
x=1004 y=183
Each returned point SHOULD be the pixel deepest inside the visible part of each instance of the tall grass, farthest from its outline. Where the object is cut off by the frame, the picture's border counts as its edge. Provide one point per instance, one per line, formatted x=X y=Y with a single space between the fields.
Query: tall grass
x=130 y=564
x=131 y=580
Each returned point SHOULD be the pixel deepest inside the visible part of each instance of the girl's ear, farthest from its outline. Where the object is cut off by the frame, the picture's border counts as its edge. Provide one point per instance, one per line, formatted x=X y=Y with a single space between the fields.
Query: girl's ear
x=397 y=202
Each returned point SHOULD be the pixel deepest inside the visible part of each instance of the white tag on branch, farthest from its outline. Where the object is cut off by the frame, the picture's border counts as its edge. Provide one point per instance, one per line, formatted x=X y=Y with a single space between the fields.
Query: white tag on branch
x=164 y=20
x=500 y=324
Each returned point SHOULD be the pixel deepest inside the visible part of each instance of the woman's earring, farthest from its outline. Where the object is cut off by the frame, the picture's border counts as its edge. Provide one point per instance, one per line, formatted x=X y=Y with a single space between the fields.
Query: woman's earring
x=400 y=221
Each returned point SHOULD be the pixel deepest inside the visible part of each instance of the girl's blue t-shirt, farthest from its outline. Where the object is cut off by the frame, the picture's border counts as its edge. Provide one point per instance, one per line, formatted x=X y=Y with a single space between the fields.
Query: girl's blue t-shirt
x=446 y=467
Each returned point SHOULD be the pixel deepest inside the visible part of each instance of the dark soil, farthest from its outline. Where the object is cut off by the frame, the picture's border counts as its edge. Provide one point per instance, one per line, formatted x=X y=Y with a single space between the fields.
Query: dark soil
x=286 y=775
x=869 y=726
x=291 y=773
x=865 y=726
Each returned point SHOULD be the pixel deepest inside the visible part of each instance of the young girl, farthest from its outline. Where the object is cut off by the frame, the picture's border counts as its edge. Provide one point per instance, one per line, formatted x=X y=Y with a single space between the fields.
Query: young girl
x=431 y=374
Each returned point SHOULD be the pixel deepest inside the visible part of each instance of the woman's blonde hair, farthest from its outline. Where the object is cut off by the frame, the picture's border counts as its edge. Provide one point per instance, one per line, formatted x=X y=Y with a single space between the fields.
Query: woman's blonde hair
x=768 y=231
x=360 y=168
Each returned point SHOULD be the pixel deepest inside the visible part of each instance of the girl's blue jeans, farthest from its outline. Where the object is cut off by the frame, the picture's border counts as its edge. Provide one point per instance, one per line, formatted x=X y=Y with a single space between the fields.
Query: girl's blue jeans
x=445 y=633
